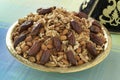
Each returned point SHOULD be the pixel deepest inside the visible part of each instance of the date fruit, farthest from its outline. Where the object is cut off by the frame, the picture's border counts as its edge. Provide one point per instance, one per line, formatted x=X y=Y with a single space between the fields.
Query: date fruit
x=71 y=38
x=41 y=11
x=71 y=57
x=57 y=43
x=25 y=25
x=95 y=29
x=91 y=49
x=20 y=38
x=45 y=57
x=36 y=29
x=96 y=39
x=34 y=49
x=76 y=27
x=82 y=15
x=96 y=23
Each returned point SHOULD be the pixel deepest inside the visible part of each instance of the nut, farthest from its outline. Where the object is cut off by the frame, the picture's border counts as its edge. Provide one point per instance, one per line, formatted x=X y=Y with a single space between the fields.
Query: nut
x=28 y=38
x=49 y=46
x=32 y=59
x=80 y=62
x=65 y=32
x=43 y=47
x=78 y=50
x=63 y=37
x=25 y=48
x=38 y=56
x=29 y=43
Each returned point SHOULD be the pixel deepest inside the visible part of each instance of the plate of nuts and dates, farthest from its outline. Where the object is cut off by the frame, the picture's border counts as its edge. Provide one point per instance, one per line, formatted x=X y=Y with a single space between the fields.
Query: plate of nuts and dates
x=55 y=40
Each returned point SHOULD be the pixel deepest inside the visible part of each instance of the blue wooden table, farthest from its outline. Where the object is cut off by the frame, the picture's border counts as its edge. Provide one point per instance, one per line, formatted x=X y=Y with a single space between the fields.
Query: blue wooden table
x=11 y=69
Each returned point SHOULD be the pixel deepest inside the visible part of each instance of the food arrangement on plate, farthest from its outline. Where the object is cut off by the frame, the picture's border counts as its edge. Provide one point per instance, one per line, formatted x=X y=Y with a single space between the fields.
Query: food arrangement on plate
x=57 y=39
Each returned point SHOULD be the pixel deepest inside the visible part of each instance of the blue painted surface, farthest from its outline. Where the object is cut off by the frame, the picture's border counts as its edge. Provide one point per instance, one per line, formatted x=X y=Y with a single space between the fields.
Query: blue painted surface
x=11 y=69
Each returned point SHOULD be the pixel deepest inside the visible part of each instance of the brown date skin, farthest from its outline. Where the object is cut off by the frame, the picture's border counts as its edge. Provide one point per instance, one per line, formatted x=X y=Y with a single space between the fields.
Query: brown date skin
x=36 y=29
x=76 y=27
x=71 y=58
x=96 y=39
x=20 y=38
x=71 y=38
x=96 y=23
x=25 y=25
x=57 y=43
x=34 y=49
x=91 y=49
x=45 y=57
x=82 y=15
x=95 y=29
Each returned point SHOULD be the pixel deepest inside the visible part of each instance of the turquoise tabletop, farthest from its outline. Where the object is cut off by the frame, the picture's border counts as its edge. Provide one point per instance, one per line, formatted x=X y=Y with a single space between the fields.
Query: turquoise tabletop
x=11 y=69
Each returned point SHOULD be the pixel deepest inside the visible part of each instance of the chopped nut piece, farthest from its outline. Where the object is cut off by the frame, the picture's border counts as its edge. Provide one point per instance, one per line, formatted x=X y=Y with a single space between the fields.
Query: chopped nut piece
x=32 y=59
x=63 y=38
x=49 y=46
x=44 y=47
x=25 y=48
x=65 y=31
x=28 y=38
x=38 y=56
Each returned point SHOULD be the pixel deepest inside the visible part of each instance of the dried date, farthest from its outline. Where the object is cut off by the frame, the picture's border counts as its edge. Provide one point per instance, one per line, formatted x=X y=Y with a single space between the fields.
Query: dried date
x=20 y=38
x=91 y=49
x=71 y=57
x=76 y=27
x=95 y=29
x=25 y=25
x=96 y=23
x=45 y=57
x=41 y=11
x=96 y=39
x=36 y=29
x=57 y=43
x=34 y=49
x=71 y=38
x=82 y=15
